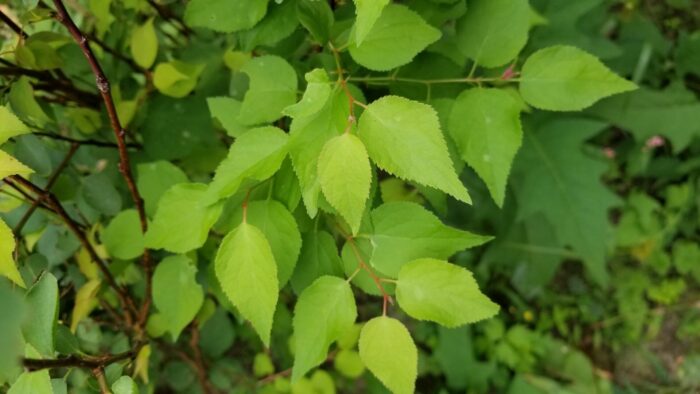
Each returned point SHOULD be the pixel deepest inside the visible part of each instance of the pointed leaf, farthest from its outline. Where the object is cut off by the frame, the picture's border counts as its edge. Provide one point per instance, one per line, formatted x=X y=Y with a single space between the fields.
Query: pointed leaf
x=247 y=273
x=388 y=351
x=564 y=78
x=8 y=267
x=273 y=87
x=403 y=137
x=226 y=111
x=181 y=208
x=405 y=231
x=144 y=44
x=395 y=39
x=85 y=302
x=367 y=11
x=42 y=308
x=10 y=125
x=318 y=91
x=435 y=290
x=11 y=166
x=345 y=176
x=319 y=256
x=225 y=16
x=176 y=293
x=493 y=32
x=485 y=125
x=123 y=237
x=323 y=313
x=257 y=155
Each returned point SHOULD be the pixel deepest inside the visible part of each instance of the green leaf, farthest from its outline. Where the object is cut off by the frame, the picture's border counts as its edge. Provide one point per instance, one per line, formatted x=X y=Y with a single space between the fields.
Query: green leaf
x=256 y=155
x=176 y=293
x=42 y=307
x=485 y=125
x=673 y=113
x=564 y=78
x=176 y=78
x=24 y=104
x=246 y=269
x=38 y=382
x=323 y=313
x=548 y=180
x=317 y=17
x=279 y=23
x=10 y=125
x=345 y=176
x=308 y=135
x=402 y=136
x=181 y=208
x=99 y=192
x=144 y=44
x=273 y=87
x=226 y=16
x=389 y=353
x=435 y=290
x=394 y=40
x=367 y=11
x=319 y=256
x=405 y=231
x=352 y=253
x=493 y=32
x=318 y=91
x=85 y=302
x=11 y=166
x=8 y=267
x=125 y=385
x=123 y=237
x=281 y=231
x=226 y=111
x=155 y=178
x=13 y=310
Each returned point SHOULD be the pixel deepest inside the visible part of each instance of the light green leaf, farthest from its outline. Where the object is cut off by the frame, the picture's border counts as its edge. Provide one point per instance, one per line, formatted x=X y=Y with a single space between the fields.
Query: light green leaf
x=281 y=231
x=156 y=178
x=246 y=269
x=403 y=137
x=42 y=307
x=273 y=87
x=318 y=91
x=319 y=256
x=395 y=39
x=405 y=231
x=176 y=78
x=485 y=125
x=10 y=125
x=24 y=104
x=123 y=237
x=279 y=23
x=256 y=155
x=367 y=11
x=564 y=78
x=360 y=249
x=176 y=293
x=389 y=353
x=125 y=385
x=85 y=302
x=323 y=313
x=317 y=17
x=435 y=290
x=226 y=111
x=8 y=267
x=308 y=135
x=547 y=179
x=181 y=208
x=493 y=32
x=11 y=166
x=38 y=382
x=226 y=16
x=345 y=176
x=144 y=44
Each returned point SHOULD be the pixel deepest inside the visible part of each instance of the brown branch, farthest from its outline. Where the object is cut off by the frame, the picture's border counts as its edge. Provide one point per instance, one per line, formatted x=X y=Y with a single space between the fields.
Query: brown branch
x=88 y=362
x=49 y=184
x=101 y=381
x=199 y=365
x=12 y=25
x=90 y=142
x=200 y=372
x=124 y=167
x=56 y=206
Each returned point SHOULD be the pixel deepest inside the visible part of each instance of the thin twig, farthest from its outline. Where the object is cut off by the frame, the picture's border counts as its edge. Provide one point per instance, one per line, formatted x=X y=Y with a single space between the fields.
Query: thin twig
x=49 y=184
x=200 y=366
x=101 y=381
x=89 y=362
x=124 y=167
x=91 y=142
x=15 y=27
x=168 y=15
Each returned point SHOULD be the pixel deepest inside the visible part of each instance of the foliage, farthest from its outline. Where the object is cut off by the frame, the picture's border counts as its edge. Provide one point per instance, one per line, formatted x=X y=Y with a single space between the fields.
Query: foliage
x=349 y=196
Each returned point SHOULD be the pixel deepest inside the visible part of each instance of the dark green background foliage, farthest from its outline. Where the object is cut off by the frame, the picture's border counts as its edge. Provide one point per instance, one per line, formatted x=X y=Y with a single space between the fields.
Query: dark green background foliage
x=439 y=196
